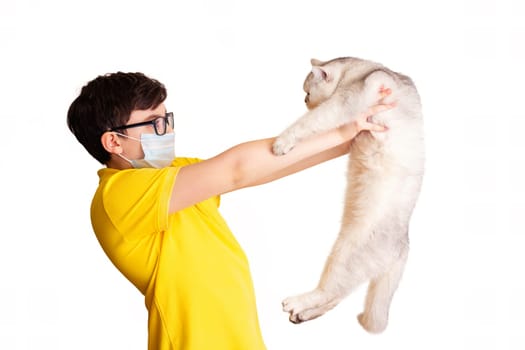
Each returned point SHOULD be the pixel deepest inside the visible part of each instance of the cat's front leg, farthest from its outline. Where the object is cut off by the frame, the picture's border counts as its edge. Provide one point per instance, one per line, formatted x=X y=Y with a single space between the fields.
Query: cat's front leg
x=304 y=127
x=329 y=115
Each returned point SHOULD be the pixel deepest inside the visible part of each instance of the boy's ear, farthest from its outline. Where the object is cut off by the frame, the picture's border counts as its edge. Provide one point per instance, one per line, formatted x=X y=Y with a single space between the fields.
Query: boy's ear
x=111 y=142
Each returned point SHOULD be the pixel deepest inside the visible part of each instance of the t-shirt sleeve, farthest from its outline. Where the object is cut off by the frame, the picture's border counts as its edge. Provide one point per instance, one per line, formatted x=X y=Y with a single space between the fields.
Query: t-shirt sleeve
x=136 y=201
x=183 y=161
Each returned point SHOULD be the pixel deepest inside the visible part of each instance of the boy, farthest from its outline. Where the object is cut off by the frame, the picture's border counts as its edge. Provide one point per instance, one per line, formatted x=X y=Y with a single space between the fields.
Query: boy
x=157 y=218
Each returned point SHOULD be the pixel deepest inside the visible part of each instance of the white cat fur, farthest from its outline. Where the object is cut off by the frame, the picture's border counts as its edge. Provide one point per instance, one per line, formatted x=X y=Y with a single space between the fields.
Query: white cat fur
x=385 y=172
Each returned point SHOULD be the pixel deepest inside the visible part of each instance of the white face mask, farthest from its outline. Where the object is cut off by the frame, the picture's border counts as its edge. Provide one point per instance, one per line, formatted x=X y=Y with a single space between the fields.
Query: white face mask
x=159 y=151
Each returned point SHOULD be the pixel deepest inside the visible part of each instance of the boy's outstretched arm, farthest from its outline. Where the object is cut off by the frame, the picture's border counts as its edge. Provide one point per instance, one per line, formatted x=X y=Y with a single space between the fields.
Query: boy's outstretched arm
x=253 y=163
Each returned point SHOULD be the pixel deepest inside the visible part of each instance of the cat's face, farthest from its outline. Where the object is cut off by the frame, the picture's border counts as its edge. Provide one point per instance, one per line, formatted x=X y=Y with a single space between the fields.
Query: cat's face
x=320 y=83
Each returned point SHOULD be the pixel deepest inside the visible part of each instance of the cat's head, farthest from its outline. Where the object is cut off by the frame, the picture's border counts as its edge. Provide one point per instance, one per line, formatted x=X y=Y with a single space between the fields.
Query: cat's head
x=321 y=82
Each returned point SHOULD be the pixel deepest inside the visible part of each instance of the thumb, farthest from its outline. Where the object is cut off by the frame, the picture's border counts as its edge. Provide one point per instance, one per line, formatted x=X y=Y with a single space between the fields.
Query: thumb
x=376 y=127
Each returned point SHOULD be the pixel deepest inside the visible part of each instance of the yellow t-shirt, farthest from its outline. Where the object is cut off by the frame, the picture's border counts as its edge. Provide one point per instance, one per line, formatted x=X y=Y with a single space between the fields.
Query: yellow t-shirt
x=193 y=273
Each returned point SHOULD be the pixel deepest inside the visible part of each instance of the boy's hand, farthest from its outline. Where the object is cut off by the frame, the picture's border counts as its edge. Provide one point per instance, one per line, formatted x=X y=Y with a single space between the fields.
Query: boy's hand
x=362 y=122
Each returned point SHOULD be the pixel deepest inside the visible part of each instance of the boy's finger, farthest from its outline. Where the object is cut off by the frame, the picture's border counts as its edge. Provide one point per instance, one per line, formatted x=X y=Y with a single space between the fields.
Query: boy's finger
x=380 y=108
x=377 y=127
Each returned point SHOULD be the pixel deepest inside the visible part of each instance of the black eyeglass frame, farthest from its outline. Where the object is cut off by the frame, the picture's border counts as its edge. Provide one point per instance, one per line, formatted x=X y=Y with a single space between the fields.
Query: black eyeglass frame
x=168 y=120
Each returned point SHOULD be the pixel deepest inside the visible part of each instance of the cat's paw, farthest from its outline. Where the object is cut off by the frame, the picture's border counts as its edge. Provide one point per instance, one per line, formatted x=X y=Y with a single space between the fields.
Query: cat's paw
x=281 y=146
x=372 y=324
x=295 y=306
x=303 y=307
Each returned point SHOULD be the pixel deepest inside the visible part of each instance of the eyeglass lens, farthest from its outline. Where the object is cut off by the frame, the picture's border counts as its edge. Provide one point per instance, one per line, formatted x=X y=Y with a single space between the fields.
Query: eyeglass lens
x=161 y=124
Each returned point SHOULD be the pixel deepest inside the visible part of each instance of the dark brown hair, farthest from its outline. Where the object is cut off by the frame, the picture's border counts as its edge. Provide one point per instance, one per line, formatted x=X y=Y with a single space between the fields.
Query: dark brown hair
x=107 y=102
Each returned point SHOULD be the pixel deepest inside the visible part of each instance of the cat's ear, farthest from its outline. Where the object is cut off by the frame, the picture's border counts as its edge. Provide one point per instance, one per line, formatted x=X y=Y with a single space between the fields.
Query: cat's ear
x=320 y=74
x=315 y=62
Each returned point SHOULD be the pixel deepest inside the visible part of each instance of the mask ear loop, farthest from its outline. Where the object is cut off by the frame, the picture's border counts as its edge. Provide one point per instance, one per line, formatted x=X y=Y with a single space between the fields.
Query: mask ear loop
x=129 y=137
x=126 y=159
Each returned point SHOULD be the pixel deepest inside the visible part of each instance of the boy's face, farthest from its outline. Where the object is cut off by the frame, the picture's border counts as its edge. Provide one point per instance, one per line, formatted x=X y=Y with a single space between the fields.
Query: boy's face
x=132 y=148
x=129 y=147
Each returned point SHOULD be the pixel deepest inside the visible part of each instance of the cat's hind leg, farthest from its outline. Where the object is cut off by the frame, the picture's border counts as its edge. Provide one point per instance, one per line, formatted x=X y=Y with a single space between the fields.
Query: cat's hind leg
x=342 y=273
x=381 y=290
x=309 y=305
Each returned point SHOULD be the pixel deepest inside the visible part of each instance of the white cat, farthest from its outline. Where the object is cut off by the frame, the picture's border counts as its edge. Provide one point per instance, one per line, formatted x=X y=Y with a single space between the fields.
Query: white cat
x=385 y=172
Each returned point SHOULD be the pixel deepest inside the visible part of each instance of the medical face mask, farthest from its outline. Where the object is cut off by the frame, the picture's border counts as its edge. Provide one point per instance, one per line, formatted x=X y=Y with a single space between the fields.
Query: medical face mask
x=159 y=151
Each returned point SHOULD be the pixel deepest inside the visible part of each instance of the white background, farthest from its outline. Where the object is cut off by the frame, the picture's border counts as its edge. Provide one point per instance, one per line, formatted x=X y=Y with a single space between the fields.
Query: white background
x=234 y=72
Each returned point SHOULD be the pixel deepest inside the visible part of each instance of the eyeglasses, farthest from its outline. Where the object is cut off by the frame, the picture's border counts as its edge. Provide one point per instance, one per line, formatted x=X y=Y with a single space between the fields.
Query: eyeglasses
x=160 y=124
